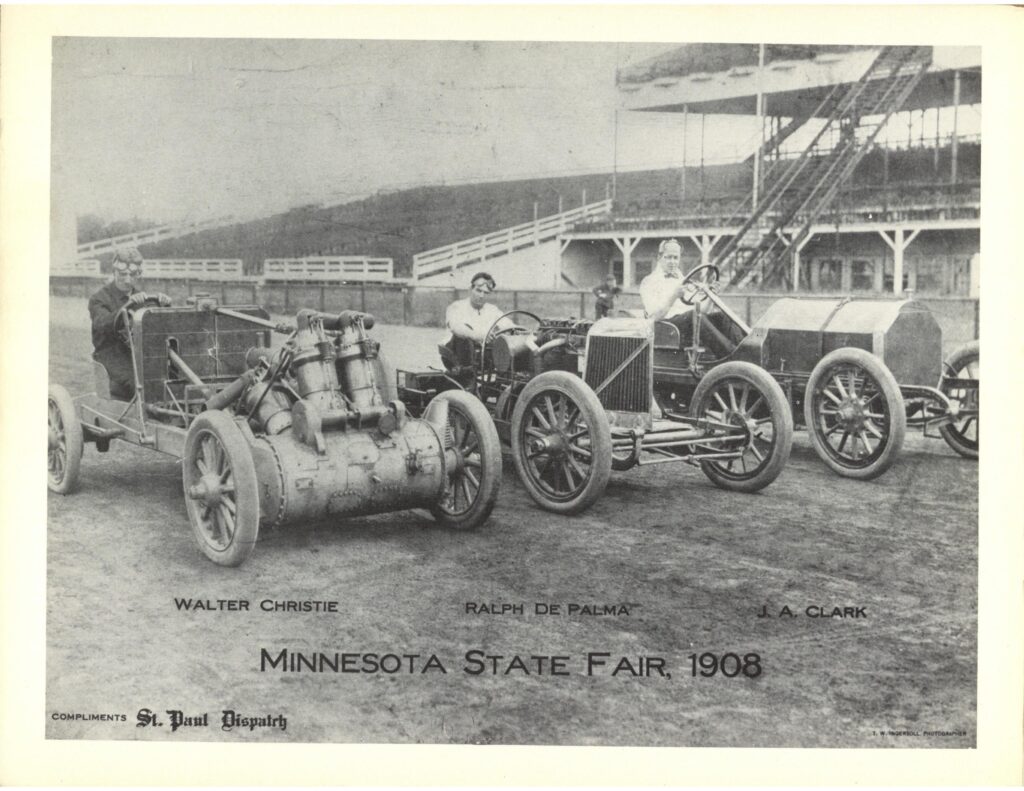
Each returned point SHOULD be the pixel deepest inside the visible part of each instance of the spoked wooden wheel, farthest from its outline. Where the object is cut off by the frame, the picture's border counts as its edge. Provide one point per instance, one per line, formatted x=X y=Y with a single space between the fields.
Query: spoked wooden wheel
x=745 y=397
x=561 y=442
x=962 y=434
x=855 y=413
x=64 y=441
x=474 y=473
x=220 y=489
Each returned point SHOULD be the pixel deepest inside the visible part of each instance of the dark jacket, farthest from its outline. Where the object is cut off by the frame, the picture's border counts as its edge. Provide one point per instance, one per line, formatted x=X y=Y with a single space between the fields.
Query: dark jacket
x=605 y=299
x=108 y=348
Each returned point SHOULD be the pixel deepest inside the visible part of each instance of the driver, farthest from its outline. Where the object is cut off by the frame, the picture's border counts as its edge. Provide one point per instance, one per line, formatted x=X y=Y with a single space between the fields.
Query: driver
x=471 y=318
x=108 y=348
x=661 y=290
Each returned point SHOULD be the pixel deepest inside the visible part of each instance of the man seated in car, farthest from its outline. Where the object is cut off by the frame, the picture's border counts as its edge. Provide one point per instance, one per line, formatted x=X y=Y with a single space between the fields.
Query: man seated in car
x=470 y=319
x=108 y=347
x=661 y=290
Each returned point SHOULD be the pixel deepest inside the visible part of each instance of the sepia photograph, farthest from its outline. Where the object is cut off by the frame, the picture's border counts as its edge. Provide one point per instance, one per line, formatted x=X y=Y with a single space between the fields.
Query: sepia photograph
x=444 y=390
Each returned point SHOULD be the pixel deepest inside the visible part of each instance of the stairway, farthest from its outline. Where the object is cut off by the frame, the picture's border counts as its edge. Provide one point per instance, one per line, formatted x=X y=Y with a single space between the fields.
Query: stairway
x=453 y=257
x=151 y=235
x=795 y=193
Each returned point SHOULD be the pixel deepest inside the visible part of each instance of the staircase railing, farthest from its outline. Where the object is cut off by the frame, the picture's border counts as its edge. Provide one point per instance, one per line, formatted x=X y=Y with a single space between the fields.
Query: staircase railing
x=809 y=185
x=491 y=245
x=150 y=235
x=813 y=197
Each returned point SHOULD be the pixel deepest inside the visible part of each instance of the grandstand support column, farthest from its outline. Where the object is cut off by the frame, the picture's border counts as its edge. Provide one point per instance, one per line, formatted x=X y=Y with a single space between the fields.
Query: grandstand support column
x=626 y=246
x=898 y=244
x=796 y=259
x=759 y=110
x=682 y=177
x=705 y=244
x=956 y=111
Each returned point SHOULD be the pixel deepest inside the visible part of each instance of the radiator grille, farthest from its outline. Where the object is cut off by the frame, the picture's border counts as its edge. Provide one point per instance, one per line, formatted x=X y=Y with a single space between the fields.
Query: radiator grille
x=630 y=390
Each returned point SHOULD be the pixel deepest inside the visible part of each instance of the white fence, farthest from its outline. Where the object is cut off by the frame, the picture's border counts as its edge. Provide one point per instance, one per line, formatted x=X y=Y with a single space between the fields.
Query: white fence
x=328 y=268
x=84 y=267
x=194 y=268
x=151 y=235
x=479 y=248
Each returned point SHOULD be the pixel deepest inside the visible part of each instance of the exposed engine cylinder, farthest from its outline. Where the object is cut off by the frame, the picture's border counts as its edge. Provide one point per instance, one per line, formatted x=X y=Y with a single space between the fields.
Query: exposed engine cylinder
x=271 y=407
x=312 y=364
x=330 y=445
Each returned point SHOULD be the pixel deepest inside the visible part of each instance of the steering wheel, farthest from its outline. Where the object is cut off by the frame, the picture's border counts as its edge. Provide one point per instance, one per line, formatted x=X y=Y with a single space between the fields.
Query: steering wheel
x=123 y=318
x=495 y=332
x=701 y=286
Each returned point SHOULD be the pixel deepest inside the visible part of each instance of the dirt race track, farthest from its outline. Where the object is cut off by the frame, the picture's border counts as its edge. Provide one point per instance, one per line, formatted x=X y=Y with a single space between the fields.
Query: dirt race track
x=693 y=565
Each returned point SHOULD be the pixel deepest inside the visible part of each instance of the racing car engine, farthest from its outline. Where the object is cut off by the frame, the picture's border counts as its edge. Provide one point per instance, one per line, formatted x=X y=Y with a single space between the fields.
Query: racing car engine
x=325 y=440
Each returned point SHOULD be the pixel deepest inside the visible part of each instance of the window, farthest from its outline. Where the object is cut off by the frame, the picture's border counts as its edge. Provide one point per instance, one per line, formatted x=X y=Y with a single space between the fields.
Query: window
x=862 y=275
x=830 y=274
x=960 y=275
x=909 y=268
x=931 y=274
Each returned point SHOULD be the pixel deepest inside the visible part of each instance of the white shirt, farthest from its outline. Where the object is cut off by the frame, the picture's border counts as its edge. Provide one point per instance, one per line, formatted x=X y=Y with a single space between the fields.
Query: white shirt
x=655 y=290
x=468 y=322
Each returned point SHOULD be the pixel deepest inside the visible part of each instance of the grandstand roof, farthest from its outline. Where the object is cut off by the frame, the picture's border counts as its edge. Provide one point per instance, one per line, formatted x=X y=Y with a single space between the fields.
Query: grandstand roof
x=697 y=58
x=721 y=78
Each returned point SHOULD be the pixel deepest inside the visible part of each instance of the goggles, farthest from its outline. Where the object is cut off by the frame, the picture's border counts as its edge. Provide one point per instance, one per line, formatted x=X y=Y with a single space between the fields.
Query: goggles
x=127 y=269
x=483 y=288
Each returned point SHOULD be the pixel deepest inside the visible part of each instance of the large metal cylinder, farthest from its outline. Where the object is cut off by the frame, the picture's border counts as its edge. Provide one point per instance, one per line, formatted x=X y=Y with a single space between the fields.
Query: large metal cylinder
x=361 y=472
x=512 y=350
x=356 y=355
x=273 y=407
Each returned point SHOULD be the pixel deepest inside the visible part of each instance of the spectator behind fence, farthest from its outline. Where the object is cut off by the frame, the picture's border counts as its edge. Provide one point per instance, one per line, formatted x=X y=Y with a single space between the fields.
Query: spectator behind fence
x=606 y=293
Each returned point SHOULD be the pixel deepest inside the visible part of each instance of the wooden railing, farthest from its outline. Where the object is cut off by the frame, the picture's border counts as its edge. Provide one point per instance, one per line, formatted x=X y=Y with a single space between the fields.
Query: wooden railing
x=150 y=235
x=83 y=267
x=503 y=242
x=194 y=268
x=328 y=268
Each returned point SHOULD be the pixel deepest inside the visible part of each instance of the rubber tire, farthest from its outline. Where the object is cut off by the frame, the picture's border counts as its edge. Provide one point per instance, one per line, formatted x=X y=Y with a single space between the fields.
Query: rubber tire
x=74 y=440
x=966 y=354
x=246 y=492
x=782 y=423
x=600 y=440
x=470 y=407
x=890 y=390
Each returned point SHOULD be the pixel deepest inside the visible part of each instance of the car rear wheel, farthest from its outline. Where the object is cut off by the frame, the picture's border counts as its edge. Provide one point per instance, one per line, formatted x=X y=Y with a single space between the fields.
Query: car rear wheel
x=561 y=443
x=65 y=441
x=221 y=493
x=475 y=479
x=855 y=413
x=744 y=396
x=962 y=434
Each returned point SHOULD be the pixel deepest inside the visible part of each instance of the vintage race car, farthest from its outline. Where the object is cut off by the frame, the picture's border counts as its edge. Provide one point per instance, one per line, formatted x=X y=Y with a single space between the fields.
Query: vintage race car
x=273 y=436
x=575 y=399
x=857 y=372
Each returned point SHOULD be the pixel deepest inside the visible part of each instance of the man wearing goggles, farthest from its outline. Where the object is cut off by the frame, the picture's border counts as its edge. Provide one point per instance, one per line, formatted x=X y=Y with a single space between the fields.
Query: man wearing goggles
x=469 y=320
x=472 y=317
x=108 y=348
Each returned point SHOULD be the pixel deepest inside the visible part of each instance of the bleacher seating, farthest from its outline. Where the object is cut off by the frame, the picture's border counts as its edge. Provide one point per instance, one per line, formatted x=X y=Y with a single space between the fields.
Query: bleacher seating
x=400 y=224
